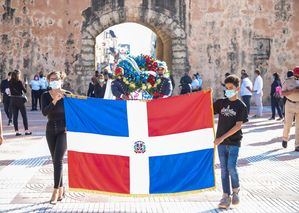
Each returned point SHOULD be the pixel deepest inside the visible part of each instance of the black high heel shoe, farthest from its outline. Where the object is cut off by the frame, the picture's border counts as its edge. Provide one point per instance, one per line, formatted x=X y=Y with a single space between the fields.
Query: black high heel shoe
x=54 y=198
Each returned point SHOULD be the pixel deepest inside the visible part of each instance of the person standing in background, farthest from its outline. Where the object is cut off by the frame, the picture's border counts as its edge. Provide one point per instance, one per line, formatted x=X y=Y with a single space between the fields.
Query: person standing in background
x=289 y=76
x=94 y=80
x=17 y=101
x=43 y=87
x=276 y=97
x=185 y=83
x=195 y=84
x=164 y=89
x=245 y=92
x=35 y=87
x=258 y=93
x=290 y=90
x=100 y=87
x=5 y=97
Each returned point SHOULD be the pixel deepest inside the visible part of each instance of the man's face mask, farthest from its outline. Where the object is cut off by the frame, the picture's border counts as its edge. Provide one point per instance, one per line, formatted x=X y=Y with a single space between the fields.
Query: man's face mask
x=229 y=93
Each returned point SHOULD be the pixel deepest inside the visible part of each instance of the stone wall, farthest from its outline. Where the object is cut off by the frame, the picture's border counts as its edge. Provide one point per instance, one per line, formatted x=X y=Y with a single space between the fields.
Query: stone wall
x=211 y=37
x=227 y=36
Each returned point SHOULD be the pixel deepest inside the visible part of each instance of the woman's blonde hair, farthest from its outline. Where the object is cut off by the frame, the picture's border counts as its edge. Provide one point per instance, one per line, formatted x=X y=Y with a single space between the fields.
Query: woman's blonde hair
x=60 y=75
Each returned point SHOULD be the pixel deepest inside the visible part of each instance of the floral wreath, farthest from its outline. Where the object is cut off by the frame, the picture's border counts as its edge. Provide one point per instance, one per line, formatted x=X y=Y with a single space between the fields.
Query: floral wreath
x=140 y=74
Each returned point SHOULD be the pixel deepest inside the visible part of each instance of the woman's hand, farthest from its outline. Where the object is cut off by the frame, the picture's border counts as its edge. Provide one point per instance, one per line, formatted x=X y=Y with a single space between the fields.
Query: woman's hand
x=56 y=95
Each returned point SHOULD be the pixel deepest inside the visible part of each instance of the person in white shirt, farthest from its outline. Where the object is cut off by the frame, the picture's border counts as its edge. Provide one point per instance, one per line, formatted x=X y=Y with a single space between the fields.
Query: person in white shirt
x=35 y=86
x=258 y=93
x=245 y=91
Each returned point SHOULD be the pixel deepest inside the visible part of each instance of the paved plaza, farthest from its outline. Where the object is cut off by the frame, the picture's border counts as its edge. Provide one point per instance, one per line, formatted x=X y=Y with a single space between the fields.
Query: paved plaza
x=269 y=177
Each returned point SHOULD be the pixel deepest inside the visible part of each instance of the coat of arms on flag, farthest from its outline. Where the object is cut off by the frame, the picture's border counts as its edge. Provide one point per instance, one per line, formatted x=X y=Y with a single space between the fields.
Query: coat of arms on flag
x=136 y=147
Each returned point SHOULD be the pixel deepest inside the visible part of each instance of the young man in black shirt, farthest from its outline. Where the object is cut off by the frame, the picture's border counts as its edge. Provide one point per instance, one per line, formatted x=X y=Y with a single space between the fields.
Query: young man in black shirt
x=232 y=114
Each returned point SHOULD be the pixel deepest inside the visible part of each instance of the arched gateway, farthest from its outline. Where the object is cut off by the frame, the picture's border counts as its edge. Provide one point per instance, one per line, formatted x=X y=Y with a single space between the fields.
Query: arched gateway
x=156 y=15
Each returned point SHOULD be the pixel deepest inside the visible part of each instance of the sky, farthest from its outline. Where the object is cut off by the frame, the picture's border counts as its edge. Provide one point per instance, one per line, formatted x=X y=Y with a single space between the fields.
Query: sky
x=138 y=36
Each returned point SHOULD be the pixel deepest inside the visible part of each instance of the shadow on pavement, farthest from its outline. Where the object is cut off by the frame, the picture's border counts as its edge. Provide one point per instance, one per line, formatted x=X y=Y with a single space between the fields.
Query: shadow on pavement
x=33 y=208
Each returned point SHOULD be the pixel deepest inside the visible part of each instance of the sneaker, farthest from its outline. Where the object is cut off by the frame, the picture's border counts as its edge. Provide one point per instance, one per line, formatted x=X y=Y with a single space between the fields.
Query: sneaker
x=284 y=144
x=271 y=119
x=279 y=119
x=297 y=149
x=235 y=197
x=18 y=134
x=9 y=123
x=224 y=202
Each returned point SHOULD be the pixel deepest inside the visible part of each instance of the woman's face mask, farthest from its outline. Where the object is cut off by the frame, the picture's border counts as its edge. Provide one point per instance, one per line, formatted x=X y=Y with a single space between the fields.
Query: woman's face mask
x=101 y=80
x=55 y=84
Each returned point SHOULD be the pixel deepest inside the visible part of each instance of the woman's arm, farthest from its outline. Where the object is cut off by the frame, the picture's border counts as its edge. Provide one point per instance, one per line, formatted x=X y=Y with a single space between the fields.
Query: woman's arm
x=47 y=105
x=22 y=87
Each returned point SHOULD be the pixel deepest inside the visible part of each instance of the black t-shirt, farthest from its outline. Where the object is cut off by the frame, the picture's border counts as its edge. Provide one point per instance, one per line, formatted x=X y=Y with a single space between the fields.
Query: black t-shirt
x=230 y=112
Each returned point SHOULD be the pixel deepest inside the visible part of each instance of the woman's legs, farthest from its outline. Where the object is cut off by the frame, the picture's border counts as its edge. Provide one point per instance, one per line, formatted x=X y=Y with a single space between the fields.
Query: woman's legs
x=15 y=114
x=273 y=105
x=57 y=146
x=24 y=115
x=58 y=159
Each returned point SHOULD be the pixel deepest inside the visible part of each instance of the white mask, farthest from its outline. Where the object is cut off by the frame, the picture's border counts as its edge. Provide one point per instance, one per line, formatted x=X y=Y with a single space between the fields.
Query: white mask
x=55 y=84
x=230 y=93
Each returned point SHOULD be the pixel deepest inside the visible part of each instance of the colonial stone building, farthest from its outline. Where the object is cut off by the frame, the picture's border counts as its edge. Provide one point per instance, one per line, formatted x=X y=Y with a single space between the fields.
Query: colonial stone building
x=210 y=37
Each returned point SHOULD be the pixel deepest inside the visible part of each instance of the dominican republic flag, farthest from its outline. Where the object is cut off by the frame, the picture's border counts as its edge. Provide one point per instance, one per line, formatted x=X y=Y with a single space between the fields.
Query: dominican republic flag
x=138 y=147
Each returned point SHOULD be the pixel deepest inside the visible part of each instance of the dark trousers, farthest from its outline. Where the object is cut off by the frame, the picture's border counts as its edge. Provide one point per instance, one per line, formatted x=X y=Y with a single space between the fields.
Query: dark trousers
x=7 y=108
x=56 y=138
x=17 y=104
x=276 y=104
x=246 y=100
x=34 y=98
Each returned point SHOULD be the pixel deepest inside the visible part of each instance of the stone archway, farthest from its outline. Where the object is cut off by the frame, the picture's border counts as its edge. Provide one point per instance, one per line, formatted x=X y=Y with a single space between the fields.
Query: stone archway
x=171 y=42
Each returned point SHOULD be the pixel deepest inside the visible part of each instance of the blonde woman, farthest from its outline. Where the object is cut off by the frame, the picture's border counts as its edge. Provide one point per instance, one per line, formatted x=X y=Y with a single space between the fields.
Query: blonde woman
x=53 y=108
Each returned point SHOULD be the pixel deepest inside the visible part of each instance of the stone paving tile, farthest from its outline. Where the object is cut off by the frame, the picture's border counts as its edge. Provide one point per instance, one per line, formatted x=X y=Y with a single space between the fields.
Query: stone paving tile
x=269 y=177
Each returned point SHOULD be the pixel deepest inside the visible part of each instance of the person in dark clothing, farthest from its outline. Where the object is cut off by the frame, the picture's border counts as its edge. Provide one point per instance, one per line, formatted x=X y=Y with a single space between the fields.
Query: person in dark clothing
x=35 y=92
x=185 y=84
x=164 y=88
x=17 y=101
x=119 y=89
x=232 y=114
x=90 y=92
x=276 y=97
x=6 y=99
x=100 y=87
x=53 y=108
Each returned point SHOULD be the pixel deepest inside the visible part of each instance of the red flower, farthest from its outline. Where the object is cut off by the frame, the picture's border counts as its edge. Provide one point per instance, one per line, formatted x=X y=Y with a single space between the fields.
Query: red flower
x=119 y=71
x=151 y=80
